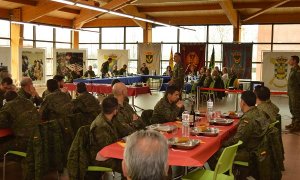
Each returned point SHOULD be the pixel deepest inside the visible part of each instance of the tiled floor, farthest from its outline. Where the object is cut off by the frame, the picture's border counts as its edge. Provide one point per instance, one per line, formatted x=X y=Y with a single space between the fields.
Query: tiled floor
x=291 y=141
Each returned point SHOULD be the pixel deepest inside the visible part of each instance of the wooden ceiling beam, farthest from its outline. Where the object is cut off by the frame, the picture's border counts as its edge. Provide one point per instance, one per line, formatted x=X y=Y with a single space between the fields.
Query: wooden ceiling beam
x=274 y=5
x=132 y=10
x=230 y=12
x=110 y=23
x=25 y=2
x=278 y=18
x=146 y=9
x=4 y=14
x=30 y=13
x=54 y=21
x=87 y=15
x=70 y=10
x=215 y=6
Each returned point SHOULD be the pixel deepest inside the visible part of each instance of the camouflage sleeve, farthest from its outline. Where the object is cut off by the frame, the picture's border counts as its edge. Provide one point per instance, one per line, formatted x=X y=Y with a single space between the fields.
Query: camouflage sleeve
x=101 y=137
x=179 y=75
x=164 y=113
x=243 y=133
x=78 y=105
x=298 y=77
x=44 y=110
x=207 y=82
x=5 y=117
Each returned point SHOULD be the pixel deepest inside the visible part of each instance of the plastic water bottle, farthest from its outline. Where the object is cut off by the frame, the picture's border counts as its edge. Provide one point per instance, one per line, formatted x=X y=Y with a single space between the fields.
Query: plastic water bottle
x=185 y=124
x=210 y=108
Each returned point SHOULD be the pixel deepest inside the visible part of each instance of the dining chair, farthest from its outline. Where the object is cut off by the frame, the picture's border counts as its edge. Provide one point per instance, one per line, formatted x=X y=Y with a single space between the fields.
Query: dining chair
x=224 y=165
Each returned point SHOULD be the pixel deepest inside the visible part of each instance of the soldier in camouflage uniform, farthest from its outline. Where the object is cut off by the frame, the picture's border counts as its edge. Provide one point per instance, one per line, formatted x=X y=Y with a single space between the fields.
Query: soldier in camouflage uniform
x=28 y=91
x=294 y=93
x=208 y=79
x=61 y=83
x=103 y=132
x=57 y=104
x=22 y=117
x=178 y=73
x=127 y=119
x=169 y=107
x=264 y=103
x=6 y=84
x=252 y=125
x=105 y=67
x=86 y=103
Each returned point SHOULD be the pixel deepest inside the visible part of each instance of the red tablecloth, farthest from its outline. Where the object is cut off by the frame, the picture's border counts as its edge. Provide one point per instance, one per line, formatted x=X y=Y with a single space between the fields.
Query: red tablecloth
x=194 y=157
x=107 y=89
x=5 y=132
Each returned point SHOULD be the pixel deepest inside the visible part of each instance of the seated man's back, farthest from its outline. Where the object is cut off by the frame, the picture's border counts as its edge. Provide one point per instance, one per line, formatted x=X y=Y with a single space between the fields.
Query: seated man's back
x=56 y=105
x=87 y=103
x=22 y=117
x=252 y=125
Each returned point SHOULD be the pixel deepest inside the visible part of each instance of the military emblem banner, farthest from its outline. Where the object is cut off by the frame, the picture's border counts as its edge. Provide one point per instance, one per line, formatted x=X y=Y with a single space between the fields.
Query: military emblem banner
x=276 y=70
x=192 y=55
x=238 y=57
x=119 y=57
x=151 y=55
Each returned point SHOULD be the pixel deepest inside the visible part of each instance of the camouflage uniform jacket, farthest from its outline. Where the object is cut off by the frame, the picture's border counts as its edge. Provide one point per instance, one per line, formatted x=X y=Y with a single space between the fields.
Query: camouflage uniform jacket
x=56 y=105
x=164 y=111
x=37 y=100
x=207 y=81
x=102 y=133
x=294 y=81
x=105 y=67
x=87 y=104
x=201 y=80
x=124 y=120
x=20 y=115
x=1 y=98
x=269 y=108
x=45 y=93
x=91 y=73
x=252 y=125
x=178 y=75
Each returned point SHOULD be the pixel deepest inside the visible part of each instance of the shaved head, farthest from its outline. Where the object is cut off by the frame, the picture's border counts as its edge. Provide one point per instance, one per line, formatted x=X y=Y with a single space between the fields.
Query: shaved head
x=119 y=89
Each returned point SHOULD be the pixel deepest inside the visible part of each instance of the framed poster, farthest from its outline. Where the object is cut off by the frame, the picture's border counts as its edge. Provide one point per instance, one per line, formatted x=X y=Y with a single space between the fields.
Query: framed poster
x=276 y=70
x=69 y=63
x=32 y=64
x=119 y=58
x=5 y=58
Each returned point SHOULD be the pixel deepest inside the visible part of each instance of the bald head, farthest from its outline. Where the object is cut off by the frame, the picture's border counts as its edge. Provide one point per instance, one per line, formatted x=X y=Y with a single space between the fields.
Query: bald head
x=119 y=89
x=26 y=81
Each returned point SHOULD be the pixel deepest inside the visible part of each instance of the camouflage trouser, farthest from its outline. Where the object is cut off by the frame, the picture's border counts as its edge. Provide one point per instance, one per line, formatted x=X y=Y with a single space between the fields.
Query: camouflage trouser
x=13 y=143
x=294 y=104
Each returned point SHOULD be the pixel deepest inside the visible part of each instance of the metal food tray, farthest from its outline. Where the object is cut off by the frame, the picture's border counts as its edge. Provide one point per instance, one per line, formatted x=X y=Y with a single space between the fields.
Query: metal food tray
x=162 y=128
x=211 y=132
x=221 y=122
x=190 y=144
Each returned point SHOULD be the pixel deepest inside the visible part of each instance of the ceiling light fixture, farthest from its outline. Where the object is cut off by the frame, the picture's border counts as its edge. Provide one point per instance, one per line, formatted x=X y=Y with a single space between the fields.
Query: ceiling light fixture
x=91 y=7
x=118 y=14
x=65 y=2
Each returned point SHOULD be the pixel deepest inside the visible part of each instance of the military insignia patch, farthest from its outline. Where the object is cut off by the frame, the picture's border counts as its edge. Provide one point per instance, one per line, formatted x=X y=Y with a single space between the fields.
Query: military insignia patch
x=149 y=57
x=281 y=68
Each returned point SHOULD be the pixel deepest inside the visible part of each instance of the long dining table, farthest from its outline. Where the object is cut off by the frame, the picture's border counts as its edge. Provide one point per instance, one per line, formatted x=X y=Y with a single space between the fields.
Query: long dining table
x=133 y=91
x=194 y=157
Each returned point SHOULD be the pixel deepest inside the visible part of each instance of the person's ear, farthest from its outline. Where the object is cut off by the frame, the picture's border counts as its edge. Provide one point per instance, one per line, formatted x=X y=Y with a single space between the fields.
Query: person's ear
x=124 y=168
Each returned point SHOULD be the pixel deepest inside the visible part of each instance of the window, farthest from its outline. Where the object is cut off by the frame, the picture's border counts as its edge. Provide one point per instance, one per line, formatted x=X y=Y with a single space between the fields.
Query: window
x=134 y=34
x=44 y=33
x=193 y=36
x=112 y=46
x=92 y=50
x=286 y=33
x=28 y=32
x=63 y=35
x=164 y=34
x=28 y=44
x=132 y=51
x=256 y=33
x=218 y=54
x=4 y=42
x=113 y=35
x=63 y=45
x=5 y=29
x=219 y=34
x=89 y=37
x=48 y=46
